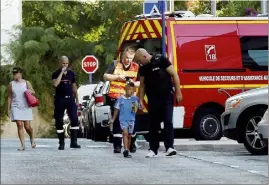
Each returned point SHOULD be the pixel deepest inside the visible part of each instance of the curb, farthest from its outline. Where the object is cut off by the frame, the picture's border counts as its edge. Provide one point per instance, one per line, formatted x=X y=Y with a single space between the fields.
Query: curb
x=220 y=147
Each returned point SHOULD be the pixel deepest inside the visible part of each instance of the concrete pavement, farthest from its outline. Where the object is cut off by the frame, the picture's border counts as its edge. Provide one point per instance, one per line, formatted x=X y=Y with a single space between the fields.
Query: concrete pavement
x=95 y=163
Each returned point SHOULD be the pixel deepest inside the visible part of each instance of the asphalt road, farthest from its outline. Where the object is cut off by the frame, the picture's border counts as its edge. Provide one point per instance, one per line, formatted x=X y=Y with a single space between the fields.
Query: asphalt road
x=95 y=163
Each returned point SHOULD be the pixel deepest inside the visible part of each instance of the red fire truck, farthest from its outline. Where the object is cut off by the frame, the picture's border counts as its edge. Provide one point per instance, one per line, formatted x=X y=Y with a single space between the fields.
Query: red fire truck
x=215 y=57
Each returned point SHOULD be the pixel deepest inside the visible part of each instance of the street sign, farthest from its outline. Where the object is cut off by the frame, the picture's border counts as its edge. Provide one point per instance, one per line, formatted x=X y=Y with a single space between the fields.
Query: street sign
x=90 y=64
x=153 y=6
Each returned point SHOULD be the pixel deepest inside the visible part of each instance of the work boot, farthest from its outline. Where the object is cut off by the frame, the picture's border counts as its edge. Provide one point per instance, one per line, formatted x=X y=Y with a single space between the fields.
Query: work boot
x=74 y=136
x=117 y=144
x=61 y=141
x=117 y=150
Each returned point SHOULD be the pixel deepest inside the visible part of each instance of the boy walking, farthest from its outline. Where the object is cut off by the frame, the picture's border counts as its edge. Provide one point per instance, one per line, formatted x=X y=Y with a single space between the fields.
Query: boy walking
x=126 y=106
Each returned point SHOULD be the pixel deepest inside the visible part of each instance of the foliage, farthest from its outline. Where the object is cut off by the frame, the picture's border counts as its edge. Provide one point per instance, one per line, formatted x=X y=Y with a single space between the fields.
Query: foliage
x=4 y=80
x=54 y=28
x=37 y=50
x=230 y=8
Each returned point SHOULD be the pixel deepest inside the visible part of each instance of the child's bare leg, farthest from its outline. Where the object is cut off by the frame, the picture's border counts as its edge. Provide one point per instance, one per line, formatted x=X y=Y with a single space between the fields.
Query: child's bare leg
x=129 y=141
x=125 y=139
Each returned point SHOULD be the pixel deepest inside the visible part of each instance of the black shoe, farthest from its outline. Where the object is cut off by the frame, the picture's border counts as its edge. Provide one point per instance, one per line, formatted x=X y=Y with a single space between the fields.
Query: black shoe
x=61 y=147
x=74 y=134
x=117 y=151
x=126 y=154
x=75 y=145
x=133 y=149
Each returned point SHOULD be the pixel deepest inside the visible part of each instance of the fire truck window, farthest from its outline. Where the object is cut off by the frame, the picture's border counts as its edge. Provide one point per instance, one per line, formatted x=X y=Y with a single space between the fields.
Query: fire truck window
x=153 y=46
x=255 y=52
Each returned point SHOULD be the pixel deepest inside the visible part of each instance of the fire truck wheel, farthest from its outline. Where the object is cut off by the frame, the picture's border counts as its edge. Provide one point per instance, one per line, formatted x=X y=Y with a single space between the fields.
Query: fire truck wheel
x=207 y=125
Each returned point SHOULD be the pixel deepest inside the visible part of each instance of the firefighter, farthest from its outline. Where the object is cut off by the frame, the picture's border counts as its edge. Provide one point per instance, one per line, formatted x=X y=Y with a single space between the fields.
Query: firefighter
x=156 y=74
x=66 y=98
x=119 y=73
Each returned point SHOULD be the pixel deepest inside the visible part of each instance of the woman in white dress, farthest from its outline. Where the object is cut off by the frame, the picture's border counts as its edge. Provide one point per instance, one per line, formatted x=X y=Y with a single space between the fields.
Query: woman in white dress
x=18 y=109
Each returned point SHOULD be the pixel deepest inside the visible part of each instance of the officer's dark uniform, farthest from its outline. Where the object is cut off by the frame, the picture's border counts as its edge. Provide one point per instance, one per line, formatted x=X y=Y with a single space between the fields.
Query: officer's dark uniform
x=64 y=100
x=159 y=90
x=117 y=140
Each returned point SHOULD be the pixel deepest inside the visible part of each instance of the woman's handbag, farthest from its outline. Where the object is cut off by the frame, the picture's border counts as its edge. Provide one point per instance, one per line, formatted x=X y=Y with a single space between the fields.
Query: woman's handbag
x=31 y=99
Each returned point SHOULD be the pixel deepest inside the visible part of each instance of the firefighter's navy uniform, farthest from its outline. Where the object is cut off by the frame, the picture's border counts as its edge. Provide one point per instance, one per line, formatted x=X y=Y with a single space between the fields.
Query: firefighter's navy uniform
x=117 y=88
x=64 y=100
x=159 y=90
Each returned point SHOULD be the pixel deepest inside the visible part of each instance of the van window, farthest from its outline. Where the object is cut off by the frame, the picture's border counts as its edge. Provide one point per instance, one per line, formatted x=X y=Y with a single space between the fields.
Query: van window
x=255 y=52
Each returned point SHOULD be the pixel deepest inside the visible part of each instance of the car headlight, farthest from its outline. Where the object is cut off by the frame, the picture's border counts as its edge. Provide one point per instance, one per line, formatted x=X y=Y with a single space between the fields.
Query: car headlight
x=233 y=104
x=265 y=116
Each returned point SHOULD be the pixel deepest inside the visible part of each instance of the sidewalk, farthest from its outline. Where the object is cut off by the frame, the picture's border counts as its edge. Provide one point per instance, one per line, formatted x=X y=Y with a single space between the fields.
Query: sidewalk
x=192 y=145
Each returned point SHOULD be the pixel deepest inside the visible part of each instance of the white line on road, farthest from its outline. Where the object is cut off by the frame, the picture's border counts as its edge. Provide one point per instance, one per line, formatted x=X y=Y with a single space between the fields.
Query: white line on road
x=44 y=146
x=217 y=162
x=97 y=146
x=234 y=166
x=253 y=171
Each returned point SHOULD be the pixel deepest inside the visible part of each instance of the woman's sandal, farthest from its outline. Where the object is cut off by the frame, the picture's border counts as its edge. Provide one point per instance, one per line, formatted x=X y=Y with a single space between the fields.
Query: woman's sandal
x=33 y=143
x=22 y=148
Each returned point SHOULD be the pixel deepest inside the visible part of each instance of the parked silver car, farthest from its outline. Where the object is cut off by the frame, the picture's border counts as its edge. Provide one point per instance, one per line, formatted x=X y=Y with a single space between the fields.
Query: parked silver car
x=96 y=114
x=242 y=114
x=263 y=127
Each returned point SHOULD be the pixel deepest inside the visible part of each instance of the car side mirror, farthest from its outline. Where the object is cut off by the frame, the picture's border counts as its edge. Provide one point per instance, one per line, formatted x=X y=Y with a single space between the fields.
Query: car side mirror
x=87 y=97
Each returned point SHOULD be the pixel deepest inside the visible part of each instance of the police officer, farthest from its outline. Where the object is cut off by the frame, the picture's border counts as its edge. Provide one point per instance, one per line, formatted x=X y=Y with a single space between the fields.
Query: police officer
x=156 y=74
x=66 y=98
x=119 y=73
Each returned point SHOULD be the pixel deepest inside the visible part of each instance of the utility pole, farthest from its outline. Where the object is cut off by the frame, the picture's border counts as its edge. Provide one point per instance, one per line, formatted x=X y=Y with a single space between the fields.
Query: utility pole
x=214 y=8
x=264 y=6
x=163 y=27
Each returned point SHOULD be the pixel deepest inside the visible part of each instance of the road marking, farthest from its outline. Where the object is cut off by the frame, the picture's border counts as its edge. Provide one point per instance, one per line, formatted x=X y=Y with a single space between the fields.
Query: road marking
x=234 y=166
x=44 y=146
x=222 y=164
x=253 y=171
x=97 y=146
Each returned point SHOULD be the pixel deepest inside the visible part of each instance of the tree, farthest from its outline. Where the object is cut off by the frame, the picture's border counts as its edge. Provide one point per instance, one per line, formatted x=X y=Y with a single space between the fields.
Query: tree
x=224 y=8
x=75 y=29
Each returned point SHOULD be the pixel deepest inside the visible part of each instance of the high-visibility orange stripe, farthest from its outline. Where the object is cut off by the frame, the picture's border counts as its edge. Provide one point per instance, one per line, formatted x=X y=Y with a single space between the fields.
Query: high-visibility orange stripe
x=132 y=28
x=148 y=25
x=120 y=91
x=153 y=35
x=158 y=26
x=135 y=36
x=145 y=36
x=138 y=29
x=155 y=29
x=124 y=33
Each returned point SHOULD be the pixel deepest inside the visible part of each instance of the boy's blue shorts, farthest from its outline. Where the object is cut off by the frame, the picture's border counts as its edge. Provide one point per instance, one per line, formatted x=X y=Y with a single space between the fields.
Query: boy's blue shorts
x=129 y=125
